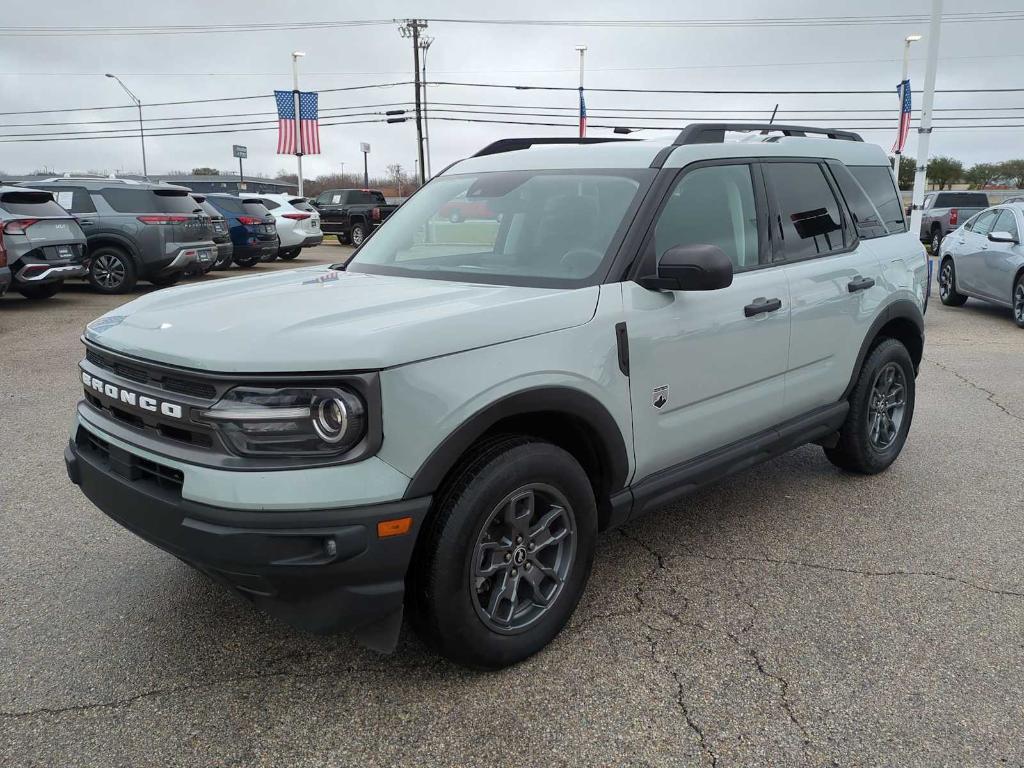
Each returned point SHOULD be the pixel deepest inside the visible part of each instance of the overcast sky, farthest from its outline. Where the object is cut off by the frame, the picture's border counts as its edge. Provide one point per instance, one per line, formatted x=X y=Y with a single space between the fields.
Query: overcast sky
x=51 y=73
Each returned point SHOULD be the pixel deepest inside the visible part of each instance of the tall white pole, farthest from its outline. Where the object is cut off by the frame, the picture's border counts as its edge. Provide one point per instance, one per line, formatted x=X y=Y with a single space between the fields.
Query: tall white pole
x=298 y=122
x=583 y=128
x=924 y=131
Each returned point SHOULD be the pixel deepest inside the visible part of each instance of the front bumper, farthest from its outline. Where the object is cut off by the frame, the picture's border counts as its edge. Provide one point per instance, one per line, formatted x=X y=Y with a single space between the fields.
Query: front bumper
x=321 y=570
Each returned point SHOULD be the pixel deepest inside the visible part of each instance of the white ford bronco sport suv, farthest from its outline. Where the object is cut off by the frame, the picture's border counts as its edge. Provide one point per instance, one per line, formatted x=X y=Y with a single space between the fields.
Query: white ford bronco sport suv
x=445 y=423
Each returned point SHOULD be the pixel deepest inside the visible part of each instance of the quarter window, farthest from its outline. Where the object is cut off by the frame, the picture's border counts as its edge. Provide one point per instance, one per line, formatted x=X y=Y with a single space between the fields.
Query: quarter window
x=866 y=217
x=878 y=183
x=712 y=206
x=1007 y=222
x=809 y=221
x=73 y=199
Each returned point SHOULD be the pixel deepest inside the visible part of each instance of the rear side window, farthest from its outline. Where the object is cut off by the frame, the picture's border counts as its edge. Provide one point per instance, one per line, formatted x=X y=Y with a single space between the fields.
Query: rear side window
x=1007 y=222
x=877 y=182
x=255 y=208
x=961 y=200
x=809 y=220
x=230 y=204
x=302 y=204
x=30 y=203
x=209 y=209
x=866 y=218
x=268 y=204
x=74 y=199
x=149 y=200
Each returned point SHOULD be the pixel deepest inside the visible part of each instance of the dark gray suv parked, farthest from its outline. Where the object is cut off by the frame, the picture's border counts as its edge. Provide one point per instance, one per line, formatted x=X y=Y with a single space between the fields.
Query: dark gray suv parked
x=135 y=230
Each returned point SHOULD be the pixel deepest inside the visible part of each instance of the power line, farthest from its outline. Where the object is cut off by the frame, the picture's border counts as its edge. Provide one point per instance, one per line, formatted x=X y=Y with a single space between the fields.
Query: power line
x=677 y=128
x=774 y=92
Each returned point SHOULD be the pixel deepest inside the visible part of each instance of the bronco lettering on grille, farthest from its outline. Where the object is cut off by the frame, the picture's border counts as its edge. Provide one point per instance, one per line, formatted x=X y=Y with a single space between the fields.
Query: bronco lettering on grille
x=146 y=403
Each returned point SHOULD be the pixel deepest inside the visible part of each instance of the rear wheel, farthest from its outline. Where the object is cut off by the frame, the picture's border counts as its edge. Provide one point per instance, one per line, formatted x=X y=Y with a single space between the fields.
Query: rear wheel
x=358 y=234
x=881 y=408
x=163 y=281
x=936 y=241
x=247 y=261
x=948 y=293
x=506 y=555
x=111 y=270
x=44 y=291
x=288 y=254
x=342 y=238
x=1018 y=302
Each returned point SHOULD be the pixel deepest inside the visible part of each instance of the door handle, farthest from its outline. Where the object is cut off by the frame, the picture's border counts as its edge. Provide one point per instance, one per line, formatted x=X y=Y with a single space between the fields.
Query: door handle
x=760 y=305
x=860 y=284
x=85 y=222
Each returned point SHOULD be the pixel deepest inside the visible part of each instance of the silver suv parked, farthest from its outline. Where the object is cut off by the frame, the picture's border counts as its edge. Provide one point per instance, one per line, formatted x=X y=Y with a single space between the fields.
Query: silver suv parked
x=447 y=422
x=135 y=230
x=40 y=243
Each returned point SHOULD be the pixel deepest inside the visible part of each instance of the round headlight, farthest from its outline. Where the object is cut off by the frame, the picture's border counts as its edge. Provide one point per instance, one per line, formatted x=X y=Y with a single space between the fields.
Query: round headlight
x=330 y=419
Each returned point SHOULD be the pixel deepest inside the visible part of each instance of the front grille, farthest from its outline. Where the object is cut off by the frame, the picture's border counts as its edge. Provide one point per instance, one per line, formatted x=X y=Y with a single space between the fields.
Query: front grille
x=183 y=386
x=121 y=369
x=189 y=387
x=128 y=465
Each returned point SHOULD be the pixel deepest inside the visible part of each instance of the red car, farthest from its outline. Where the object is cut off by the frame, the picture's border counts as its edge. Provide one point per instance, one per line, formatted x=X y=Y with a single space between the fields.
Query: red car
x=459 y=210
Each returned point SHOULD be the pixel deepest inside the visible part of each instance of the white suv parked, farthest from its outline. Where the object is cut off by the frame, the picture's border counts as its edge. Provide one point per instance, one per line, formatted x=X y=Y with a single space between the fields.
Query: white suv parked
x=298 y=222
x=447 y=421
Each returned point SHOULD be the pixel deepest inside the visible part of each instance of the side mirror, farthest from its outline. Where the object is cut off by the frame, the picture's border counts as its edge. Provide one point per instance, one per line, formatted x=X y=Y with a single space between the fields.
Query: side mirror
x=696 y=267
x=1001 y=237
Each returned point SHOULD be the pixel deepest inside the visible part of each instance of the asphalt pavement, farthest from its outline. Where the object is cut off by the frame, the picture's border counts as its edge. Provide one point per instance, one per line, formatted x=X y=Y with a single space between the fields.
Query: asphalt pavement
x=791 y=615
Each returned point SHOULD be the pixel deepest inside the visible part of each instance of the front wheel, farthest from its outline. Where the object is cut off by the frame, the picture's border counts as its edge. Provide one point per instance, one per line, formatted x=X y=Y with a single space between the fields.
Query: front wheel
x=948 y=293
x=1018 y=302
x=881 y=408
x=358 y=234
x=44 y=291
x=246 y=261
x=506 y=556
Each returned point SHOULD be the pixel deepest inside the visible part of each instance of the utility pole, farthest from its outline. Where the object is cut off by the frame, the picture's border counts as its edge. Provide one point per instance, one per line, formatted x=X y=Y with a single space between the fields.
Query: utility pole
x=583 y=107
x=411 y=28
x=924 y=131
x=142 y=134
x=296 y=55
x=425 y=46
x=899 y=119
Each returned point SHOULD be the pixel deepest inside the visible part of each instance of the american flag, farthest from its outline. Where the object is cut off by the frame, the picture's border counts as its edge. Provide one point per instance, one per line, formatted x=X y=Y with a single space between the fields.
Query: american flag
x=583 y=115
x=903 y=89
x=309 y=124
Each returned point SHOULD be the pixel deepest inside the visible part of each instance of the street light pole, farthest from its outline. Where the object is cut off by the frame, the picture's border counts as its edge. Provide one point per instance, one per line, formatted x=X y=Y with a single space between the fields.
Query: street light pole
x=924 y=131
x=583 y=116
x=296 y=55
x=907 y=41
x=142 y=133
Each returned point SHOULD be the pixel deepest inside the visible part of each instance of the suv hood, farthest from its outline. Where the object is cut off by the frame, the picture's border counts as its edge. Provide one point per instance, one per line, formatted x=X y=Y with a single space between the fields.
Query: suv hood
x=318 y=319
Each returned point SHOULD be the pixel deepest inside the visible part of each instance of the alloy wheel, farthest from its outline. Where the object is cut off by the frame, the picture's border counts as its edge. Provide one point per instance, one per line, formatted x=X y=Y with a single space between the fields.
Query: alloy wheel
x=946 y=280
x=522 y=558
x=357 y=236
x=108 y=271
x=887 y=407
x=936 y=242
x=1018 y=304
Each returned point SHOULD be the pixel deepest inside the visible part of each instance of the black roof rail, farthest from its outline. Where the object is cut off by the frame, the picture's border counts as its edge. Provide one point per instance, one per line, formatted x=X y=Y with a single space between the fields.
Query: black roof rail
x=714 y=133
x=512 y=145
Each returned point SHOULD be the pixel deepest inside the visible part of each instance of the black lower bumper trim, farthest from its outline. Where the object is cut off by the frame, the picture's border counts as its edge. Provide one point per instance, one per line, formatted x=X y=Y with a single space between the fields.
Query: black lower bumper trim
x=319 y=570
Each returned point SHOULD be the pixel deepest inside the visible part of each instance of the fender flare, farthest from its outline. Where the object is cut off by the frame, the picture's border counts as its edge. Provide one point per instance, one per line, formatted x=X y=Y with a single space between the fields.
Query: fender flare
x=901 y=309
x=609 y=444
x=116 y=240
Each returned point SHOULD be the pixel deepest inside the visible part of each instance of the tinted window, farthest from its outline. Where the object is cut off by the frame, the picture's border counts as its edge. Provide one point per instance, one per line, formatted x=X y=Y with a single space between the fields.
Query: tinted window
x=268 y=204
x=713 y=206
x=1007 y=222
x=877 y=182
x=961 y=200
x=74 y=199
x=209 y=210
x=129 y=200
x=255 y=208
x=302 y=205
x=866 y=218
x=231 y=204
x=31 y=204
x=983 y=224
x=809 y=223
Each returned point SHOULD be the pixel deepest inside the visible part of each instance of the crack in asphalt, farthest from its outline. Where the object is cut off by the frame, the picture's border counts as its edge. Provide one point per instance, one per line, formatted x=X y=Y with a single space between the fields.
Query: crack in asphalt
x=990 y=395
x=692 y=724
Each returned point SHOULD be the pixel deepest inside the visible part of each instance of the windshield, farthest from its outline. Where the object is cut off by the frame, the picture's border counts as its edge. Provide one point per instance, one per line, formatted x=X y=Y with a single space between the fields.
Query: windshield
x=534 y=228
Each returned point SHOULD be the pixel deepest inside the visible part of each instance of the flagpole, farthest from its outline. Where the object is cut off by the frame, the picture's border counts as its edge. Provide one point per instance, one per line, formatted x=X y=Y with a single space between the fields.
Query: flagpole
x=583 y=128
x=924 y=131
x=899 y=117
x=298 y=123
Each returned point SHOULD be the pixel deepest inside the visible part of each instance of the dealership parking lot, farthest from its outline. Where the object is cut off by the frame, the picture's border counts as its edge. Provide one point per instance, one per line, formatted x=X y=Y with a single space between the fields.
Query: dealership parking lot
x=790 y=615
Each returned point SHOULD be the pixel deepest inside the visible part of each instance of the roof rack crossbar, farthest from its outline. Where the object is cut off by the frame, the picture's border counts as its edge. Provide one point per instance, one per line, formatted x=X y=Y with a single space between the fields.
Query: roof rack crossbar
x=714 y=133
x=512 y=145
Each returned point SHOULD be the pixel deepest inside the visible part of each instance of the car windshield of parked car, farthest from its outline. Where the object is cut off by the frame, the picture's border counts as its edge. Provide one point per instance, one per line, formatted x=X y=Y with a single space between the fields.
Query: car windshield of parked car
x=535 y=228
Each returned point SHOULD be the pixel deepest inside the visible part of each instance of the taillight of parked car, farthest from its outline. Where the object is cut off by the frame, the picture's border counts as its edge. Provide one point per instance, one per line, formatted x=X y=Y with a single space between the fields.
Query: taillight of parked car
x=162 y=219
x=249 y=220
x=376 y=214
x=18 y=226
x=954 y=217
x=3 y=251
x=297 y=216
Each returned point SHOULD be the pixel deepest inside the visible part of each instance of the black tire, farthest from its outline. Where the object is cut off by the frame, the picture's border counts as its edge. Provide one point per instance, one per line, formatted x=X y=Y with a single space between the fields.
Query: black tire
x=165 y=281
x=935 y=241
x=358 y=234
x=111 y=270
x=1018 y=302
x=858 y=450
x=948 y=294
x=221 y=262
x=245 y=262
x=273 y=256
x=445 y=606
x=342 y=238
x=289 y=254
x=44 y=291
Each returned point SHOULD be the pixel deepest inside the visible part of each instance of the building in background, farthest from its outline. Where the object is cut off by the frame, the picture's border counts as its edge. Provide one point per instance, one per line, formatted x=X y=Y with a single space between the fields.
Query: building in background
x=226 y=182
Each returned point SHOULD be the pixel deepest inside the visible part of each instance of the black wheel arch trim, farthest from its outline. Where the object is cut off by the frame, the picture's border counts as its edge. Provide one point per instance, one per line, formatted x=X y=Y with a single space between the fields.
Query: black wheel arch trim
x=901 y=309
x=114 y=240
x=553 y=399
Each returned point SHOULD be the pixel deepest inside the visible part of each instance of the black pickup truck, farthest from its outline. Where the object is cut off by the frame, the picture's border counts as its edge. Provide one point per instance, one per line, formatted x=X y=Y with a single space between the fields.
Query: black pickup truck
x=351 y=214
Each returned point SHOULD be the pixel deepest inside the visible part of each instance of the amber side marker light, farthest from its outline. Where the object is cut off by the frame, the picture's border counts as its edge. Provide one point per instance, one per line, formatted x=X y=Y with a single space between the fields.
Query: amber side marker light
x=397 y=527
